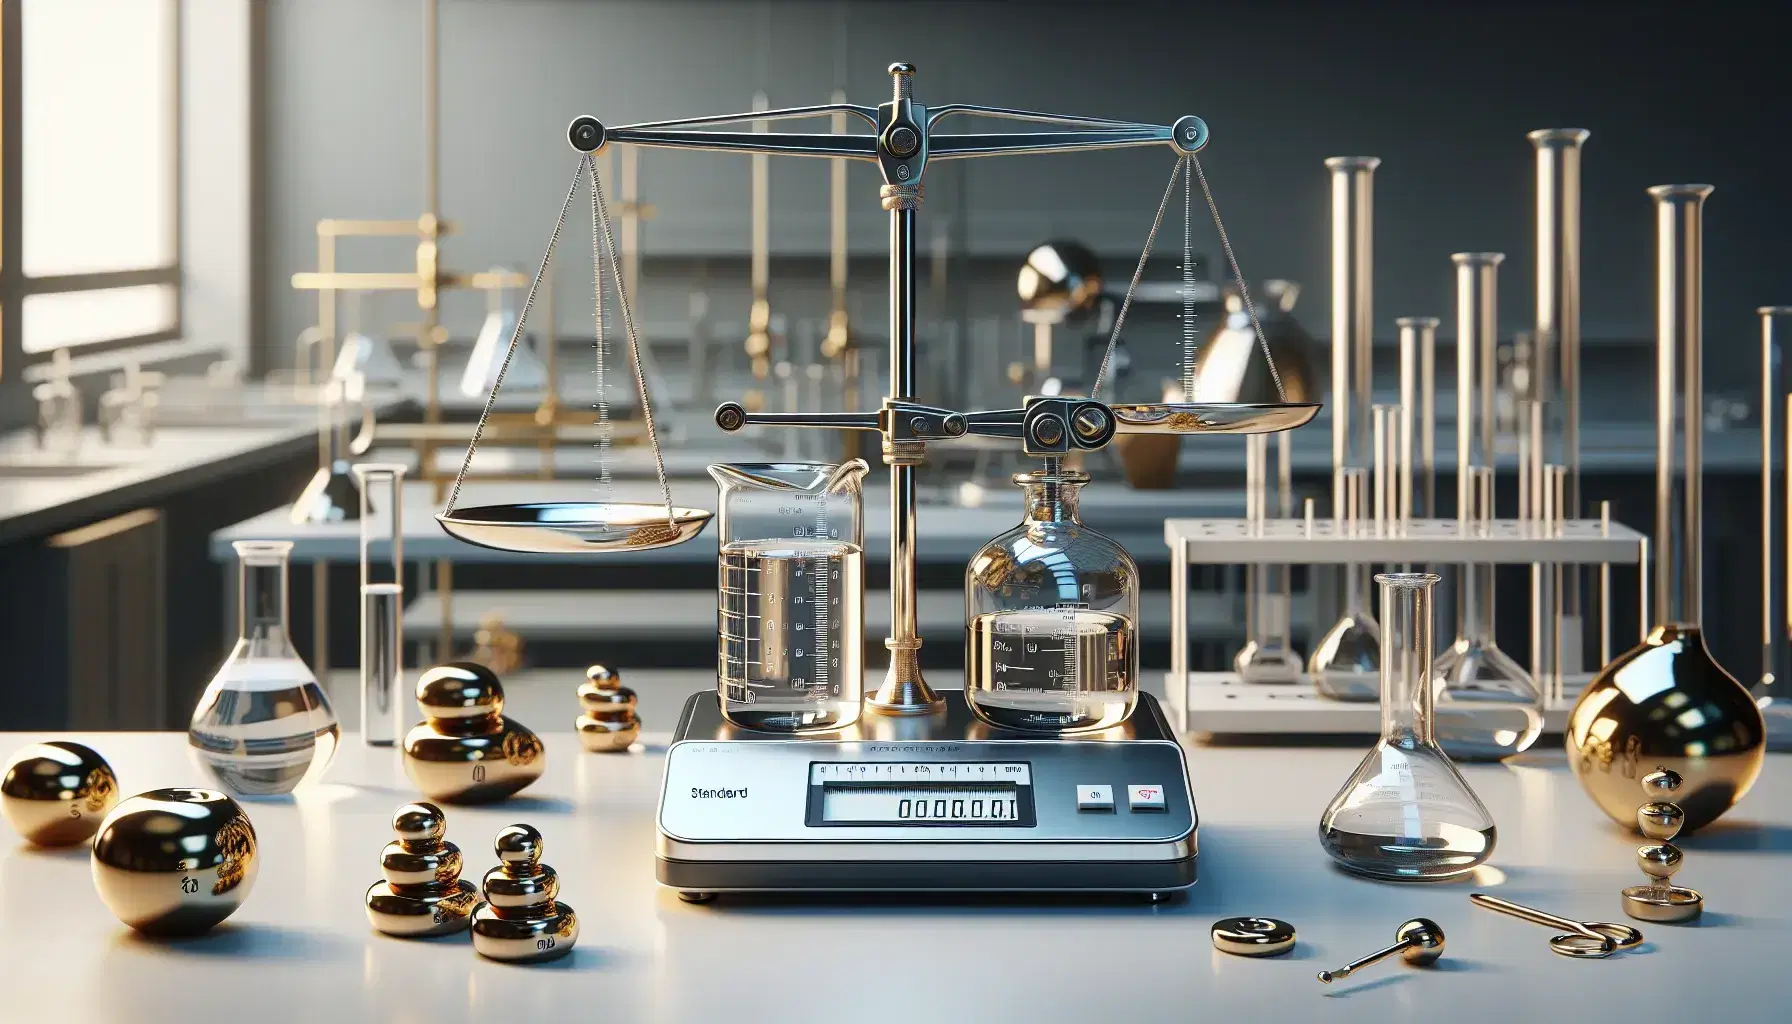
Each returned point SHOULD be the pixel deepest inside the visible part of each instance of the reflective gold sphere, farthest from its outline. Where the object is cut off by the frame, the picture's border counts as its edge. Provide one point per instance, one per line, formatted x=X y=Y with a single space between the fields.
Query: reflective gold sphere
x=1660 y=820
x=56 y=794
x=1666 y=706
x=175 y=861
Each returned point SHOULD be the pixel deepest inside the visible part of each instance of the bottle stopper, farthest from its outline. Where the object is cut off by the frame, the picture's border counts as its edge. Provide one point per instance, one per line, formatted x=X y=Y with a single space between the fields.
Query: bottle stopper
x=1661 y=819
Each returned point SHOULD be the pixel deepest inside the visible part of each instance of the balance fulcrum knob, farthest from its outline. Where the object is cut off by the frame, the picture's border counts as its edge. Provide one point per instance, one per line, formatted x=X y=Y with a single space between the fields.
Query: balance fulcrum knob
x=1419 y=942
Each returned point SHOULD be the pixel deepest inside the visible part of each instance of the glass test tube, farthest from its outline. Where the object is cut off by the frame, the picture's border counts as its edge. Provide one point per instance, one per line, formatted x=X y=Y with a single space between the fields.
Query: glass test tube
x=383 y=700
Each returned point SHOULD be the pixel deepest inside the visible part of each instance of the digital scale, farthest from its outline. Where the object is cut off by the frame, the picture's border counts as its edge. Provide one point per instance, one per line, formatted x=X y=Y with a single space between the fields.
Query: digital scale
x=936 y=803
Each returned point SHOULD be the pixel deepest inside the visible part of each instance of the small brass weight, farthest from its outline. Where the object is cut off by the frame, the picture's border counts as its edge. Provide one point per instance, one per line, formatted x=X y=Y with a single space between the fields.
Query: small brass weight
x=609 y=723
x=422 y=893
x=175 y=861
x=521 y=920
x=1660 y=819
x=466 y=751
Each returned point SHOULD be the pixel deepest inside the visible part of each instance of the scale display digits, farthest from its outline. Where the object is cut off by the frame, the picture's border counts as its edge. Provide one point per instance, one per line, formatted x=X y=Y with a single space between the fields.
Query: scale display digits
x=921 y=793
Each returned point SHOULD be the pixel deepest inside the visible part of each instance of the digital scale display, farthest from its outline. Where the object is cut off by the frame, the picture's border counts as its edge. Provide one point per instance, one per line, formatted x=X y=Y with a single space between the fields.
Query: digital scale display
x=921 y=793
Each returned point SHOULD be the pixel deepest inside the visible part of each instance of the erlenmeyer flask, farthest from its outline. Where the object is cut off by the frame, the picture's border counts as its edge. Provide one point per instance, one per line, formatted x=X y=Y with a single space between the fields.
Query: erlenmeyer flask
x=1488 y=707
x=1345 y=661
x=263 y=725
x=1406 y=813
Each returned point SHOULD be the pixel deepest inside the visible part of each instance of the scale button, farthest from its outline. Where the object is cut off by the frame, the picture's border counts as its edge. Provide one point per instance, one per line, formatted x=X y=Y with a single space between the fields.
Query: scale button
x=1145 y=798
x=1094 y=798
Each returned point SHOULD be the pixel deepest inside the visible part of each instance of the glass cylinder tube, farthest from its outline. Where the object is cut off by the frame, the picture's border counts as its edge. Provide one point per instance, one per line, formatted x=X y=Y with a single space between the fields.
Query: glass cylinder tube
x=384 y=703
x=1268 y=655
x=1345 y=661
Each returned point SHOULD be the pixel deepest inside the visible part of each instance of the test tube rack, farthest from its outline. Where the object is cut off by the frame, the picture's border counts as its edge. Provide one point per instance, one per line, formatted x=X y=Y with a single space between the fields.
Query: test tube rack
x=1219 y=703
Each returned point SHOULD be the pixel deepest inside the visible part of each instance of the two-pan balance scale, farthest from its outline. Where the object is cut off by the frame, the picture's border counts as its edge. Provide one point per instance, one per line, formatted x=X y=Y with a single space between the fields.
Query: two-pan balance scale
x=917 y=795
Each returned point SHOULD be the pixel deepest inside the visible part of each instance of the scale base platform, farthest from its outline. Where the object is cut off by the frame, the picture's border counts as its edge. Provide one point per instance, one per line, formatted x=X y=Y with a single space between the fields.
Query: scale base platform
x=743 y=811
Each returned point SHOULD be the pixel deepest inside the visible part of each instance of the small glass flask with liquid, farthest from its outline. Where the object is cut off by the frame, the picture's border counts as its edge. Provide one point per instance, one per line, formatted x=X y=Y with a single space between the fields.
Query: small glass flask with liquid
x=1406 y=813
x=790 y=595
x=1051 y=613
x=263 y=725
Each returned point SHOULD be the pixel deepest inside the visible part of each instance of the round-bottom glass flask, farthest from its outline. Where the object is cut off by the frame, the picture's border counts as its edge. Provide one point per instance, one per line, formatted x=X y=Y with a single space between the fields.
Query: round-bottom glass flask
x=1051 y=607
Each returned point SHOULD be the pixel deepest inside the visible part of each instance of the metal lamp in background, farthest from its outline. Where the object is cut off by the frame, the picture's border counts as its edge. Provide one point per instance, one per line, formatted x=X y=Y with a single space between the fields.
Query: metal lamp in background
x=1666 y=704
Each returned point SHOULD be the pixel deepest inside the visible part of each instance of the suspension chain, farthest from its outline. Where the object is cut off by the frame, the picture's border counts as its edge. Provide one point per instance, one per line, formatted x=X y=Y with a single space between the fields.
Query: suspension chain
x=516 y=337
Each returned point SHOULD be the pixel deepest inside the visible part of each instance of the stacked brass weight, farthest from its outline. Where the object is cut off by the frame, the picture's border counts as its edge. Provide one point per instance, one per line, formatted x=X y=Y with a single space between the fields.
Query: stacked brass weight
x=609 y=722
x=1661 y=820
x=466 y=751
x=175 y=861
x=56 y=794
x=522 y=920
x=422 y=893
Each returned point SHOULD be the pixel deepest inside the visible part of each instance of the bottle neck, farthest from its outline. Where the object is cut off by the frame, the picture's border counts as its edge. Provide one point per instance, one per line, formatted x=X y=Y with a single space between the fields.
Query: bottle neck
x=1051 y=501
x=1406 y=694
x=261 y=604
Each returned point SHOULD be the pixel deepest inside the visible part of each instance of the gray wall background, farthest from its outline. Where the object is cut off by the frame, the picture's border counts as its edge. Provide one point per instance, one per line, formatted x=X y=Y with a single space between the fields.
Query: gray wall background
x=1443 y=93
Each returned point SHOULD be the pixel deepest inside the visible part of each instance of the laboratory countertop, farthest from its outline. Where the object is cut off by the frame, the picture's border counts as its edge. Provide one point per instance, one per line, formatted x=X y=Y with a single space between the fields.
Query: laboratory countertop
x=43 y=492
x=947 y=532
x=300 y=948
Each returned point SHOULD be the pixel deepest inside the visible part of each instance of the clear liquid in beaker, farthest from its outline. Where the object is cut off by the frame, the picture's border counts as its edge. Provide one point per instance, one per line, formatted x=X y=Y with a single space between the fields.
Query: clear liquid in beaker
x=1051 y=669
x=790 y=634
x=263 y=726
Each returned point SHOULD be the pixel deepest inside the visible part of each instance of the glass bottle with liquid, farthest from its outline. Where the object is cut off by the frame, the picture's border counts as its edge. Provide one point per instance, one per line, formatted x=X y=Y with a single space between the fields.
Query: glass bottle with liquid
x=1051 y=613
x=790 y=595
x=1406 y=813
x=263 y=724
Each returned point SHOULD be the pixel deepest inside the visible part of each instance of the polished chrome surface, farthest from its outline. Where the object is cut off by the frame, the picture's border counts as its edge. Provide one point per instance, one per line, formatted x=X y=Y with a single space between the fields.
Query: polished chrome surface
x=608 y=723
x=1353 y=296
x=466 y=751
x=1252 y=936
x=175 y=861
x=574 y=527
x=1059 y=279
x=1584 y=939
x=521 y=920
x=1212 y=417
x=422 y=893
x=1666 y=704
x=1420 y=942
x=57 y=793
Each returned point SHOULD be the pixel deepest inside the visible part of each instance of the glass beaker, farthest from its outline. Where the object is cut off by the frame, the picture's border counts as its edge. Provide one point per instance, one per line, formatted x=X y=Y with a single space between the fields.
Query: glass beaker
x=1345 y=661
x=790 y=594
x=1051 y=613
x=1406 y=813
x=263 y=725
x=383 y=700
x=1488 y=707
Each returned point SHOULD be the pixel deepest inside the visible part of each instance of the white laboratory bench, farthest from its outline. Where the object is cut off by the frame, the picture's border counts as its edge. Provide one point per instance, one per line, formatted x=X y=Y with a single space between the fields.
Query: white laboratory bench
x=300 y=948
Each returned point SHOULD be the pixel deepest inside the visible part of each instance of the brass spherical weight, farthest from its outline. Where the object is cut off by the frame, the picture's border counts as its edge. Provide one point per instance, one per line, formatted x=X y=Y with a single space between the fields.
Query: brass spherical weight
x=175 y=861
x=1659 y=820
x=56 y=794
x=609 y=723
x=1689 y=719
x=466 y=751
